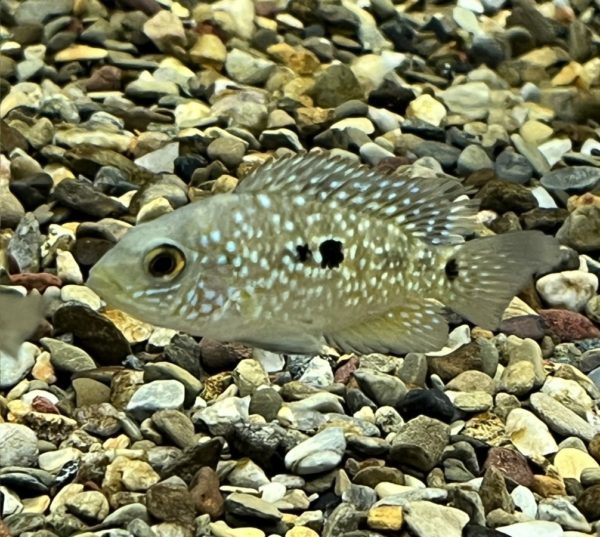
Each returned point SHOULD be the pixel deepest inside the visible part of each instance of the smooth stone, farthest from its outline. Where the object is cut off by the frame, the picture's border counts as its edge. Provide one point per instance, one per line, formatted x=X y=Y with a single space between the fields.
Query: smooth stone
x=524 y=499
x=246 y=505
x=67 y=357
x=578 y=178
x=384 y=389
x=156 y=395
x=570 y=393
x=564 y=512
x=427 y=519
x=18 y=445
x=223 y=414
x=81 y=294
x=165 y=29
x=245 y=68
x=588 y=502
x=221 y=529
x=513 y=167
x=529 y=434
x=569 y=289
x=427 y=109
x=534 y=528
x=471 y=100
x=581 y=229
x=571 y=462
x=319 y=453
x=15 y=368
x=89 y=505
x=318 y=373
x=553 y=150
x=559 y=418
x=80 y=52
x=160 y=160
x=473 y=158
x=420 y=443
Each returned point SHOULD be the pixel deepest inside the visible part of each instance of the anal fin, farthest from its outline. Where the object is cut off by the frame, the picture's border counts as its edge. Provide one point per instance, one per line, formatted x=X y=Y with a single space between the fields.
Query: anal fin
x=416 y=326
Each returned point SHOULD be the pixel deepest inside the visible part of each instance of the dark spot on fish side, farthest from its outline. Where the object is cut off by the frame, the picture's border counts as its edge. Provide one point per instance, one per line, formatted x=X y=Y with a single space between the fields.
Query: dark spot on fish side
x=451 y=269
x=331 y=253
x=303 y=253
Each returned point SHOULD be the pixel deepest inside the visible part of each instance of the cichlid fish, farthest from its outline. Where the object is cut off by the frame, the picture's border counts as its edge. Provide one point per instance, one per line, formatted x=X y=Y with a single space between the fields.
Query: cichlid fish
x=315 y=250
x=19 y=317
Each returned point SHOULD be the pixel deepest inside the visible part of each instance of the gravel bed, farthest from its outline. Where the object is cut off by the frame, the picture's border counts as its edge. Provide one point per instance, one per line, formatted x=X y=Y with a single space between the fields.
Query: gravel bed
x=114 y=113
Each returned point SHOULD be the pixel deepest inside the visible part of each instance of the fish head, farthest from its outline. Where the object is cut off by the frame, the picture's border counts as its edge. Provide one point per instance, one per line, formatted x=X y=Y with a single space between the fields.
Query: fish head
x=149 y=272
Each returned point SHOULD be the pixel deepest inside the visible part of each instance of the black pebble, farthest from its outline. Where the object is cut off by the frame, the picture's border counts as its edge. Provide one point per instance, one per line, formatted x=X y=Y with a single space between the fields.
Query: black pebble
x=433 y=403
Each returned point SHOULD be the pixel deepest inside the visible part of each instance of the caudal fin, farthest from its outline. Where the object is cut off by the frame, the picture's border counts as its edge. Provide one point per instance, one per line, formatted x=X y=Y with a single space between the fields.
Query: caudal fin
x=485 y=274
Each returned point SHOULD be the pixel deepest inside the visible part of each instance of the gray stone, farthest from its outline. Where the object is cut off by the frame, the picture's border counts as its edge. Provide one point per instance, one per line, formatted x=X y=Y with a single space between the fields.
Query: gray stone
x=420 y=443
x=321 y=453
x=386 y=390
x=246 y=505
x=67 y=357
x=559 y=418
x=18 y=445
x=157 y=395
x=14 y=368
x=427 y=519
x=473 y=158
x=513 y=167
x=575 y=178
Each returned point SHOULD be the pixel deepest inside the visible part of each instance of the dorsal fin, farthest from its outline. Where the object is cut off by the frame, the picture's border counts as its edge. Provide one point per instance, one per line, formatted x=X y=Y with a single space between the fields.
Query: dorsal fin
x=424 y=207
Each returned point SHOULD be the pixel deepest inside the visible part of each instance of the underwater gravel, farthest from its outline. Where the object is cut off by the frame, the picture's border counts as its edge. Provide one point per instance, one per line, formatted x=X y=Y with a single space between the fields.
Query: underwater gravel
x=112 y=115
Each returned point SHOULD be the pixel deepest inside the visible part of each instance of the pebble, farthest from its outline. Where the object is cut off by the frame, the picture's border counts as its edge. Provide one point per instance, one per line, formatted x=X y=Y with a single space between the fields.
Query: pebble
x=156 y=395
x=319 y=453
x=559 y=418
x=18 y=445
x=430 y=519
x=571 y=462
x=570 y=289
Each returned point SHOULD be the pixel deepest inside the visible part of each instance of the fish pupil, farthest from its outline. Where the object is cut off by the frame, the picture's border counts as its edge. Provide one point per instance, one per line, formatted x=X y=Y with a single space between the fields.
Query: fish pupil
x=331 y=253
x=163 y=264
x=303 y=252
x=451 y=269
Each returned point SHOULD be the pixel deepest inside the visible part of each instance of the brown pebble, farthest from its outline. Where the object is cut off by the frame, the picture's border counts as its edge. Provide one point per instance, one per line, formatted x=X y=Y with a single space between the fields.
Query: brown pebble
x=41 y=404
x=511 y=463
x=204 y=489
x=547 y=486
x=569 y=325
x=170 y=503
x=594 y=447
x=40 y=281
x=344 y=373
x=106 y=78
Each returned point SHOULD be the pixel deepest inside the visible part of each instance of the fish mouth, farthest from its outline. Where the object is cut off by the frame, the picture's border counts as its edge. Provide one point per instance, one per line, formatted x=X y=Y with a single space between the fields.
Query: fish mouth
x=102 y=284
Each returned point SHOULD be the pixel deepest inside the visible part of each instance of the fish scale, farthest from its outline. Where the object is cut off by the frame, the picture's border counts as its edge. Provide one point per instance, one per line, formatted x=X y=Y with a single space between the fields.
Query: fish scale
x=314 y=250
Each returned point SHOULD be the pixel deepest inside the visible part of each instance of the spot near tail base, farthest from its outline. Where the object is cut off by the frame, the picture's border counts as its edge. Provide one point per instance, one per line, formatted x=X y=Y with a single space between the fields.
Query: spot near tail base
x=451 y=269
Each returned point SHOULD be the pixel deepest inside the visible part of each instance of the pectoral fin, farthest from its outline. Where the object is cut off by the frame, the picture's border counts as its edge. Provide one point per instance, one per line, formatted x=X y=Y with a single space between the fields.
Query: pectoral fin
x=416 y=326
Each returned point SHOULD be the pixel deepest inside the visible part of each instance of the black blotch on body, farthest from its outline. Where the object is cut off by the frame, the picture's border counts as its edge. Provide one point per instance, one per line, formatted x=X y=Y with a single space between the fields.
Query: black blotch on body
x=303 y=253
x=451 y=269
x=331 y=253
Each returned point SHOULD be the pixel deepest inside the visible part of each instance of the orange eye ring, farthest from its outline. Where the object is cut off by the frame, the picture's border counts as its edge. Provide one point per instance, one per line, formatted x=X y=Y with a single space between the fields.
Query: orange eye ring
x=164 y=262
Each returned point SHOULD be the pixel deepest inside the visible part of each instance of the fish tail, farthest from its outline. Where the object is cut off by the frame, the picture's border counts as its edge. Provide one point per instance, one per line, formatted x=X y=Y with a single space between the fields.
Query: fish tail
x=483 y=275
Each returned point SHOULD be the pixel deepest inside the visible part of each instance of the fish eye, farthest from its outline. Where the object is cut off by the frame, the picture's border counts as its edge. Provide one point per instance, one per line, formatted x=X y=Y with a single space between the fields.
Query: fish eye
x=165 y=262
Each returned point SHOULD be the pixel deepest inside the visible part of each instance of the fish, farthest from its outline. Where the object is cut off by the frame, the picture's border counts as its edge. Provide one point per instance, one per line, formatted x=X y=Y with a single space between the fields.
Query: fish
x=314 y=251
x=19 y=317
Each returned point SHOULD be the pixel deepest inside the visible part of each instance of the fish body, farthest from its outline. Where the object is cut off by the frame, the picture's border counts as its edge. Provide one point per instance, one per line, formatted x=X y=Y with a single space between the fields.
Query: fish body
x=315 y=250
x=19 y=317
